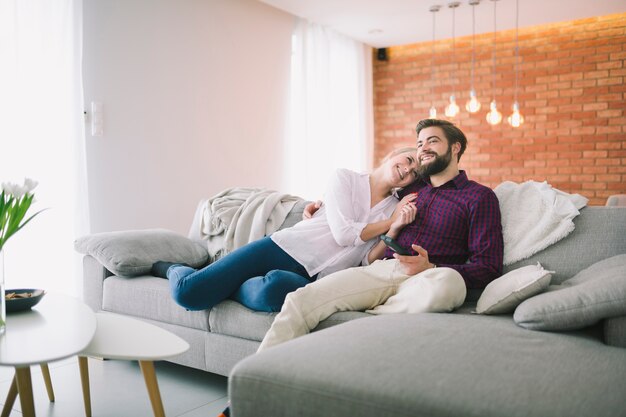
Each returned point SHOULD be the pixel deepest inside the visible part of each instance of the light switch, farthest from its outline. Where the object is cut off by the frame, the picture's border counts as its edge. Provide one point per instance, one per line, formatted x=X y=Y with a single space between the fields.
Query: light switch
x=97 y=118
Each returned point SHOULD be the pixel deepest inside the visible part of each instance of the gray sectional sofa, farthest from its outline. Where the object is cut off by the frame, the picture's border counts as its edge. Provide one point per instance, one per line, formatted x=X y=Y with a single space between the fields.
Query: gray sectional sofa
x=458 y=364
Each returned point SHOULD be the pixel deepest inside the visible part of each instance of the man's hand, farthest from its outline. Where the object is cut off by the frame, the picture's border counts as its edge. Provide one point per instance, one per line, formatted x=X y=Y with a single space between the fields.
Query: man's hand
x=310 y=209
x=413 y=265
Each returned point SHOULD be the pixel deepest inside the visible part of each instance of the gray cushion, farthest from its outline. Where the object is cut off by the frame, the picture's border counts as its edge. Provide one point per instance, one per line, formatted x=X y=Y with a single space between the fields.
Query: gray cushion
x=131 y=253
x=295 y=215
x=593 y=294
x=149 y=297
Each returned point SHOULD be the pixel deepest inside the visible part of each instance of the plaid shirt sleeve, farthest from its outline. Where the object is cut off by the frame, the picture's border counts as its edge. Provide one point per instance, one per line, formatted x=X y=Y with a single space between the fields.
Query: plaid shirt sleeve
x=485 y=244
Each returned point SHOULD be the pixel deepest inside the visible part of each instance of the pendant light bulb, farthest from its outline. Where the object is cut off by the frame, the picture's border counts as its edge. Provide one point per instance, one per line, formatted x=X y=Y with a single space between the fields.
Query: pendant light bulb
x=472 y=105
x=494 y=117
x=515 y=119
x=452 y=109
x=432 y=113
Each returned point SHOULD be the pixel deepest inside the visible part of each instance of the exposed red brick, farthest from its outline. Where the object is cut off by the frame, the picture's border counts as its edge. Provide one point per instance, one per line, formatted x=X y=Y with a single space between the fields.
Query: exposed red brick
x=572 y=93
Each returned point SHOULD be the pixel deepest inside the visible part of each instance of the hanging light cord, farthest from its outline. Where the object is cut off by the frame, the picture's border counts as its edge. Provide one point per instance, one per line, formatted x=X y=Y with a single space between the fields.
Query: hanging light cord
x=432 y=58
x=494 y=51
x=516 y=47
x=473 y=45
x=453 y=49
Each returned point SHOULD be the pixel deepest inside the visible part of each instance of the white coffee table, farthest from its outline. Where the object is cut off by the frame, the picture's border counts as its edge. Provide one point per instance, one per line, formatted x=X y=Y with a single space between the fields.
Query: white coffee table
x=58 y=327
x=121 y=337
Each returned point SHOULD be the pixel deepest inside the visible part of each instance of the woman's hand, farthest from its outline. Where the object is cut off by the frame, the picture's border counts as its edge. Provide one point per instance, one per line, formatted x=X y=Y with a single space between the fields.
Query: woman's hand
x=310 y=209
x=405 y=213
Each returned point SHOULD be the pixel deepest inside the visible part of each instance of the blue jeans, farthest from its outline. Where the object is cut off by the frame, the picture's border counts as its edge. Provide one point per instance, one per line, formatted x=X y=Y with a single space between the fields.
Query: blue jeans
x=259 y=275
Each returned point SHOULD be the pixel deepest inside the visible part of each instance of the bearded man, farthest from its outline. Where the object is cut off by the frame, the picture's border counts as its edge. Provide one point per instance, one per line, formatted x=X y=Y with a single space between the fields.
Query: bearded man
x=455 y=244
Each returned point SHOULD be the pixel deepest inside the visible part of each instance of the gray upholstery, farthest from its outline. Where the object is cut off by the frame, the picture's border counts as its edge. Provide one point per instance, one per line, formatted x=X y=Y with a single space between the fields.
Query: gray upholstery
x=232 y=319
x=121 y=295
x=401 y=365
x=131 y=253
x=616 y=200
x=599 y=234
x=595 y=293
x=615 y=331
x=411 y=365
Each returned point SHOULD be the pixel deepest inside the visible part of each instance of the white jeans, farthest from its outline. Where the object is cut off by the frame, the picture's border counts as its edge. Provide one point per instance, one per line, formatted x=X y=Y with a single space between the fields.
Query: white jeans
x=377 y=288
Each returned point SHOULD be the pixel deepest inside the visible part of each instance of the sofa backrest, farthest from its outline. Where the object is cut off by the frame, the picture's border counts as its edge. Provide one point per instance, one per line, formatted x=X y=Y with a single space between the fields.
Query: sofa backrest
x=600 y=232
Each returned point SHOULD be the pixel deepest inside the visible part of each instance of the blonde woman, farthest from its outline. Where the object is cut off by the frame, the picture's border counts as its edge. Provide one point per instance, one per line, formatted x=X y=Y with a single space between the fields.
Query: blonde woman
x=358 y=208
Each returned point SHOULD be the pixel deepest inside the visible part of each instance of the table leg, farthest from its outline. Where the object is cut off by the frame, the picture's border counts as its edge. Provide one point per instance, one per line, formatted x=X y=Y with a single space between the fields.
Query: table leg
x=46 y=379
x=25 y=390
x=84 y=382
x=149 y=376
x=11 y=396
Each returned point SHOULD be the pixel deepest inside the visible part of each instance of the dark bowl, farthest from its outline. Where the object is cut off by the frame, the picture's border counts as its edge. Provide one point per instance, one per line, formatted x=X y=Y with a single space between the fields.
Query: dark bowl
x=19 y=304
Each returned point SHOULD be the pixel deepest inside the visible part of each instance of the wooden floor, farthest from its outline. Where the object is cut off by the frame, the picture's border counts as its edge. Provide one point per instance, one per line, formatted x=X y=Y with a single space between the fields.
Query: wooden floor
x=118 y=390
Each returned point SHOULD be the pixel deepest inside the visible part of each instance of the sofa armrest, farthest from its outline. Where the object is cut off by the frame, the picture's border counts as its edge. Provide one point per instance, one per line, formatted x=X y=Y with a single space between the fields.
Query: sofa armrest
x=94 y=274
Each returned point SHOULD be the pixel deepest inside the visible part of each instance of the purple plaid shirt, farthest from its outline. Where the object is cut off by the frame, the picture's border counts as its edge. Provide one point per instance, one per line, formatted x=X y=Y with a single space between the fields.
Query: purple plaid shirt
x=459 y=225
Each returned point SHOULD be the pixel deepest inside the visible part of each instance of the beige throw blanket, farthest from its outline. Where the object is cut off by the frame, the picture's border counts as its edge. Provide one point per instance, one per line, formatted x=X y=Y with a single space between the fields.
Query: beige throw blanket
x=534 y=216
x=237 y=216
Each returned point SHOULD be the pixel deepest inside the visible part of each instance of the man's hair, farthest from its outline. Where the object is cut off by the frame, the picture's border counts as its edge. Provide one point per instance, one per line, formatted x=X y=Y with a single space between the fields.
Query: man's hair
x=453 y=133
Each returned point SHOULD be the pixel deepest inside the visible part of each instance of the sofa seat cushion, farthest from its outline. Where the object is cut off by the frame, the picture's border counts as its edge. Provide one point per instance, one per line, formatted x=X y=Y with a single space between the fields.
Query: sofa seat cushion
x=615 y=331
x=411 y=365
x=149 y=297
x=232 y=319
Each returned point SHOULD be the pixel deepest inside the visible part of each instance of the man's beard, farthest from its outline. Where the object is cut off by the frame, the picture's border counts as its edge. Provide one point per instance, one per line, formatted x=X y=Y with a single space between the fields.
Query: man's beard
x=436 y=166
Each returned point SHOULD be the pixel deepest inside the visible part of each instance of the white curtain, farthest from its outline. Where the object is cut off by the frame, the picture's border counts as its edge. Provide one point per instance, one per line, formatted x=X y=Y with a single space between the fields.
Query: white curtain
x=330 y=122
x=42 y=137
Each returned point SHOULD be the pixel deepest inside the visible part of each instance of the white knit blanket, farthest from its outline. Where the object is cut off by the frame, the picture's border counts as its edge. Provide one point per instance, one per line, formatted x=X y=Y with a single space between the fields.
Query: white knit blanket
x=237 y=216
x=534 y=216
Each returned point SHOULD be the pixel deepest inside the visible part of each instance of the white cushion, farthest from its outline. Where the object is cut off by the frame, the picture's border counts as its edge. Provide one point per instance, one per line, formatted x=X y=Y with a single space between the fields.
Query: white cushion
x=502 y=295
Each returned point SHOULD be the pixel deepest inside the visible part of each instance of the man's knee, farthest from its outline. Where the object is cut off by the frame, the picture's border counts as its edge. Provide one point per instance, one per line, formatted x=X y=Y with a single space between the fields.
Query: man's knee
x=444 y=287
x=435 y=290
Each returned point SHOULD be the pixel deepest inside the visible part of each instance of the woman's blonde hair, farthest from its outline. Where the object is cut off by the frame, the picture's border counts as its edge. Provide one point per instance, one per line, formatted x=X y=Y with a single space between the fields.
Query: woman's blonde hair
x=407 y=149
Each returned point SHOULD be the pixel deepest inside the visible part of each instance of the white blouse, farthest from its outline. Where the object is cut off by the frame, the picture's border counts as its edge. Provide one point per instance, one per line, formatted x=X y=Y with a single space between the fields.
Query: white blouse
x=330 y=241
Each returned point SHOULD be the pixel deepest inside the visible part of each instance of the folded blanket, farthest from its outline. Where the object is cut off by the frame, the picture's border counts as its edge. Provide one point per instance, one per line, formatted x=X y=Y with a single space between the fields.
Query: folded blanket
x=534 y=216
x=237 y=216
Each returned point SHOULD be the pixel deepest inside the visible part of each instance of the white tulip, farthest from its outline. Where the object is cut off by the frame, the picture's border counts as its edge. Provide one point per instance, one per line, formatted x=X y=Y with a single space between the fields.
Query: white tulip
x=19 y=191
x=29 y=185
x=9 y=188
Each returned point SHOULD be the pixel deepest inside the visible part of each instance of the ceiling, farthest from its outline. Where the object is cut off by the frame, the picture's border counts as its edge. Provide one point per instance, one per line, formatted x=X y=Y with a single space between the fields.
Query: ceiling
x=384 y=23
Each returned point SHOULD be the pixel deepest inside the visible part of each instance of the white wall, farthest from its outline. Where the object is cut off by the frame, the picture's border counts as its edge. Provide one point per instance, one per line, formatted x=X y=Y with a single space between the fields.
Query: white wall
x=195 y=99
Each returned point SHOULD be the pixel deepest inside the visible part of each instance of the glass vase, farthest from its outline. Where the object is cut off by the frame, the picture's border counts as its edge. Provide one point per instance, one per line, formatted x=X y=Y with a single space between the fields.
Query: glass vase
x=3 y=305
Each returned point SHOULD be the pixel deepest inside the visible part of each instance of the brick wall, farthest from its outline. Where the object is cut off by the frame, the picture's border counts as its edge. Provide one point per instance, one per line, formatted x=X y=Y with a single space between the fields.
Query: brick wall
x=572 y=95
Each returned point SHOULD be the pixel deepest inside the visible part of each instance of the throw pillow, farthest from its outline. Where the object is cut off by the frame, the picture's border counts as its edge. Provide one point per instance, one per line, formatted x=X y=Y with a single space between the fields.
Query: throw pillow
x=503 y=294
x=593 y=294
x=132 y=253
